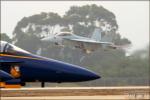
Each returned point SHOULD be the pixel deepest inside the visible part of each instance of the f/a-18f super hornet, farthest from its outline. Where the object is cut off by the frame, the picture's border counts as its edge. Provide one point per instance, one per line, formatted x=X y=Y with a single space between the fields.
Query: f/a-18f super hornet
x=18 y=66
x=87 y=45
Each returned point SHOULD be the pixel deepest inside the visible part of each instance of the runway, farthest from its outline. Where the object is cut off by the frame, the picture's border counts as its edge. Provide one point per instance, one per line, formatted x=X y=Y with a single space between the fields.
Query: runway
x=77 y=93
x=108 y=97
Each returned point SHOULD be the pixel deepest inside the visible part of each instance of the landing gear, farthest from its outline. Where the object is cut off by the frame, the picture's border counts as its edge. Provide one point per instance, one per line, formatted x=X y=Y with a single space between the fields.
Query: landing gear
x=56 y=43
x=23 y=83
x=42 y=84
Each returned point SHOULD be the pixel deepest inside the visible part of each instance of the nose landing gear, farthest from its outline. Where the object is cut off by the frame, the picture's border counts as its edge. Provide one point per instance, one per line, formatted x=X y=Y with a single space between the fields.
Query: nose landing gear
x=42 y=84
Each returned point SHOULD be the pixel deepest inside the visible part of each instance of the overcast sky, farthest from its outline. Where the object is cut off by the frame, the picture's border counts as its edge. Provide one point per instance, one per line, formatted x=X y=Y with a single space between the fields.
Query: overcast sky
x=132 y=16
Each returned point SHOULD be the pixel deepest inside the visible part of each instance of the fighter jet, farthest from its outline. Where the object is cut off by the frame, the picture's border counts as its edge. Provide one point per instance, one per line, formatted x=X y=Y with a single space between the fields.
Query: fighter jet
x=87 y=45
x=19 y=66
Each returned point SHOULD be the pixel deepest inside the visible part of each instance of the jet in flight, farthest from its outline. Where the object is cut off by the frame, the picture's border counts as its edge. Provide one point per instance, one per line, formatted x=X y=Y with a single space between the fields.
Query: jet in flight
x=19 y=66
x=87 y=45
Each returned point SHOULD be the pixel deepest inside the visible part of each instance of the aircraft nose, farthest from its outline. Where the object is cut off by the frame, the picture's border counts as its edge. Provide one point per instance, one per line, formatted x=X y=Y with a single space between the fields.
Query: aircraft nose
x=94 y=76
x=82 y=74
x=88 y=75
x=64 y=72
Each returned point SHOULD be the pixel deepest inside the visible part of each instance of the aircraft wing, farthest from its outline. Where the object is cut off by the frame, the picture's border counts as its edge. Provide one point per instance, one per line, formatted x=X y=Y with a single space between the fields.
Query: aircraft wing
x=85 y=40
x=85 y=45
x=6 y=79
x=5 y=76
x=90 y=45
x=10 y=71
x=91 y=42
x=100 y=44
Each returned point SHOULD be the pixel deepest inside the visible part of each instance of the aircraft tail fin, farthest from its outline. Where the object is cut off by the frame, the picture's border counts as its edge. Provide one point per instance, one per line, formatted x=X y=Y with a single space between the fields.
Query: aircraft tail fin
x=97 y=34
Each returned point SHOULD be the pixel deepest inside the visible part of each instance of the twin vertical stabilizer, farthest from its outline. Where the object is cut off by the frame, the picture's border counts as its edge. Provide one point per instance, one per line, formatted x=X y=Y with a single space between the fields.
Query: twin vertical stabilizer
x=97 y=34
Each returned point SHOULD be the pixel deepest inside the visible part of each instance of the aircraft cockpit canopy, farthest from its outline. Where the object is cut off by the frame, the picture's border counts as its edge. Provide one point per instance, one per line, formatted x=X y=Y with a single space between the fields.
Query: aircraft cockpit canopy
x=65 y=34
x=6 y=47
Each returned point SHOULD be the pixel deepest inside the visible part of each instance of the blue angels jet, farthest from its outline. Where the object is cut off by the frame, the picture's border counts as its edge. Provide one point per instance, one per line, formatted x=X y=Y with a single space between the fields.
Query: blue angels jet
x=87 y=45
x=18 y=66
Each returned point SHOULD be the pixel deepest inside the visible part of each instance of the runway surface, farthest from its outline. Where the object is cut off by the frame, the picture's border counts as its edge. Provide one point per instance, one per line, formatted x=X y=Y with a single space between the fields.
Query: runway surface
x=77 y=93
x=108 y=97
x=58 y=88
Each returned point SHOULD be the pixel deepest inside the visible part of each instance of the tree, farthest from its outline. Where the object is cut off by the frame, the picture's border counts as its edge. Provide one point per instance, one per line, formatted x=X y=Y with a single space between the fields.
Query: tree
x=5 y=37
x=29 y=42
x=88 y=16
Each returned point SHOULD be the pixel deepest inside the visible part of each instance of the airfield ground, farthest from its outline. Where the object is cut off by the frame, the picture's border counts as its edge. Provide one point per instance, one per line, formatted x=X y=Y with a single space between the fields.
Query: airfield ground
x=77 y=93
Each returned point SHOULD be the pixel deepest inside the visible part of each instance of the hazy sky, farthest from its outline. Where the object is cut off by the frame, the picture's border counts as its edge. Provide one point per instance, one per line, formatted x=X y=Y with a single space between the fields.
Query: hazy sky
x=132 y=16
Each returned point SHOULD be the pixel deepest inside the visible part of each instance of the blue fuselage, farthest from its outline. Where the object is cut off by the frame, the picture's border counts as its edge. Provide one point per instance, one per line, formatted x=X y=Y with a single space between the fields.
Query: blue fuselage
x=37 y=68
